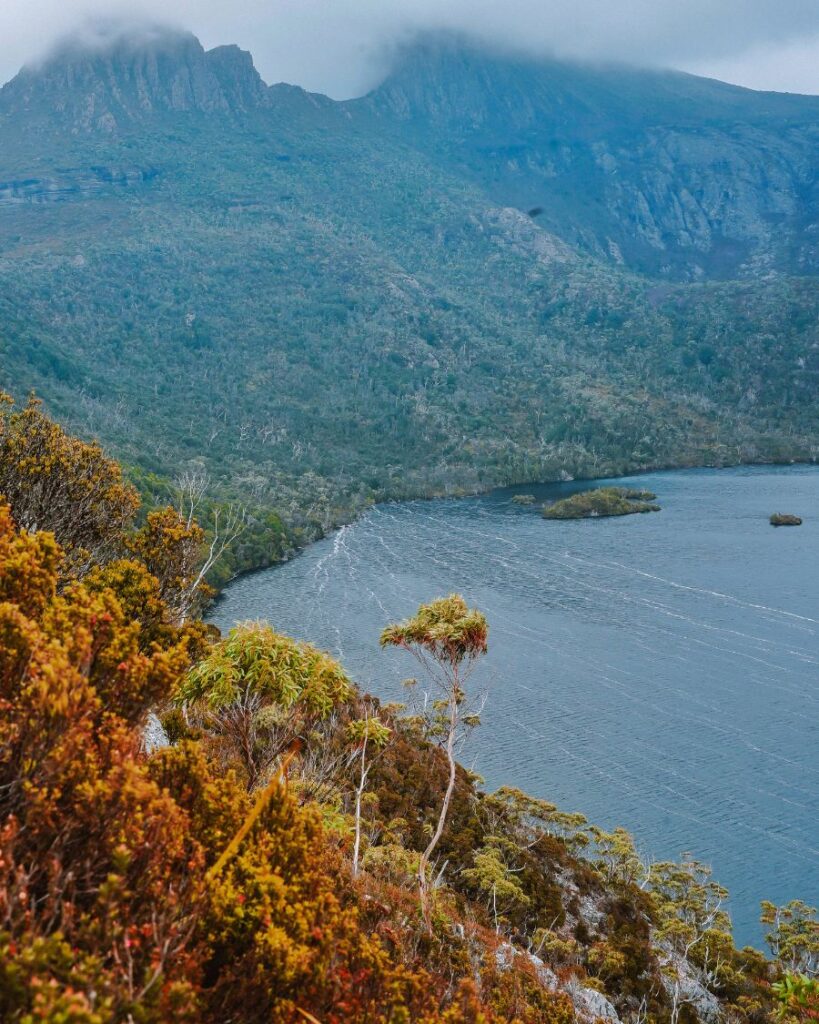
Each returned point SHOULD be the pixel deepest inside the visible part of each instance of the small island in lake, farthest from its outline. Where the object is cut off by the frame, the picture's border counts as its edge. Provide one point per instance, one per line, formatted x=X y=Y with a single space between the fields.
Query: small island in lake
x=523 y=499
x=602 y=501
x=780 y=519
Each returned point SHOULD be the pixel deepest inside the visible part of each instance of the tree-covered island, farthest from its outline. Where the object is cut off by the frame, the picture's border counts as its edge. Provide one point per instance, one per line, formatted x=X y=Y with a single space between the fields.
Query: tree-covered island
x=602 y=501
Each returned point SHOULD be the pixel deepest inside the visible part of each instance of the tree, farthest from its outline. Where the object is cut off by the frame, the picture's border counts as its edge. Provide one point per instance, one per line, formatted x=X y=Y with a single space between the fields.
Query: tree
x=55 y=482
x=150 y=890
x=447 y=638
x=258 y=691
x=692 y=924
x=174 y=549
x=617 y=857
x=494 y=878
x=793 y=937
x=224 y=525
x=368 y=732
x=531 y=819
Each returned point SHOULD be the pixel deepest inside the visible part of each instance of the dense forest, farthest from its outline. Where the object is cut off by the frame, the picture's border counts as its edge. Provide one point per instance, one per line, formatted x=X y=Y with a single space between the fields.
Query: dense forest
x=207 y=828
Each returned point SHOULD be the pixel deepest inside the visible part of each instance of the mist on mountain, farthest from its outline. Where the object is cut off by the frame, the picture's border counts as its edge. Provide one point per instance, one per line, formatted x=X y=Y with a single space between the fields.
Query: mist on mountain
x=344 y=49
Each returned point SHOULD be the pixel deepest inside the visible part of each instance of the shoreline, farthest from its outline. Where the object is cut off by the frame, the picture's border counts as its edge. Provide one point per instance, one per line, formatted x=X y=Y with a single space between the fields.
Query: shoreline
x=482 y=491
x=732 y=502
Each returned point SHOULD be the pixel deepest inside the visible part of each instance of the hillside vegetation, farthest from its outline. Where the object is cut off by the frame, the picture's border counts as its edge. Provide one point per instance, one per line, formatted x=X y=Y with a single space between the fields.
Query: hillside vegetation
x=314 y=305
x=272 y=855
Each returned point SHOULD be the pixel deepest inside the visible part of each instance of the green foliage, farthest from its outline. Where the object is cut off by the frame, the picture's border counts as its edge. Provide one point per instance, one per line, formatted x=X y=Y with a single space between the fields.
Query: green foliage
x=617 y=856
x=368 y=320
x=532 y=818
x=256 y=693
x=798 y=997
x=494 y=879
x=794 y=936
x=255 y=660
x=690 y=907
x=156 y=888
x=602 y=501
x=447 y=629
x=370 y=730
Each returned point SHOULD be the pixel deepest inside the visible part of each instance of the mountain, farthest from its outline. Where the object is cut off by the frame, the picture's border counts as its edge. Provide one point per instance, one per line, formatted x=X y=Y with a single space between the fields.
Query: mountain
x=664 y=172
x=450 y=283
x=132 y=77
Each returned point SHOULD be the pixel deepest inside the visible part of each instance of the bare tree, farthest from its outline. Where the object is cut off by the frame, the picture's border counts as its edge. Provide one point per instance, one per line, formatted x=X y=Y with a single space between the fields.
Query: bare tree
x=367 y=733
x=225 y=526
x=191 y=487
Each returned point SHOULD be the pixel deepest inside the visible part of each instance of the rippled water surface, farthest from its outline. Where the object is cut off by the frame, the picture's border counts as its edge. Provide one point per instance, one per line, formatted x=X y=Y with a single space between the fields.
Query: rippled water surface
x=657 y=671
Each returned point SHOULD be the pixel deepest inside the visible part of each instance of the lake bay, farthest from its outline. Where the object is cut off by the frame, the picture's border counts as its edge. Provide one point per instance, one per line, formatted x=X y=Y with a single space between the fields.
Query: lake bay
x=659 y=671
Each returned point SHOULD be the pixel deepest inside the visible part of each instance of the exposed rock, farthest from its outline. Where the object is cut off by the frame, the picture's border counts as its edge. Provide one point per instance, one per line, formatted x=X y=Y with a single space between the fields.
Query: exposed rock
x=782 y=519
x=689 y=177
x=153 y=735
x=74 y=184
x=692 y=992
x=590 y=1004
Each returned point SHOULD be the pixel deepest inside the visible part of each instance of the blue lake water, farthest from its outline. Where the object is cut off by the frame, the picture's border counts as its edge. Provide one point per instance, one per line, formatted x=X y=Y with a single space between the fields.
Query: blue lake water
x=659 y=671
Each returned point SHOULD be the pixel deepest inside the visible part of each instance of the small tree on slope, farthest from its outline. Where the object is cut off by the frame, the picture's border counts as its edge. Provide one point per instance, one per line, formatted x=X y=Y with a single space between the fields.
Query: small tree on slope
x=447 y=638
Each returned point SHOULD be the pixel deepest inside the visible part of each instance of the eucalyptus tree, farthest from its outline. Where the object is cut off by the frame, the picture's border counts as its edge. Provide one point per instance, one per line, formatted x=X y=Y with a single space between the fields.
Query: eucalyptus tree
x=447 y=638
x=691 y=925
x=257 y=692
x=793 y=936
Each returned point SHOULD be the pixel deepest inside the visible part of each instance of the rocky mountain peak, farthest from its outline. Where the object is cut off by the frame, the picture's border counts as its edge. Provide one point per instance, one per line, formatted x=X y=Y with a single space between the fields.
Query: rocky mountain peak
x=105 y=81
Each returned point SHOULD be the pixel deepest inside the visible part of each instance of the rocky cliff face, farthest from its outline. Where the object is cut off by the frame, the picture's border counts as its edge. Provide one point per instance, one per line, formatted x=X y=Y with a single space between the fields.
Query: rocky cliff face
x=104 y=88
x=670 y=174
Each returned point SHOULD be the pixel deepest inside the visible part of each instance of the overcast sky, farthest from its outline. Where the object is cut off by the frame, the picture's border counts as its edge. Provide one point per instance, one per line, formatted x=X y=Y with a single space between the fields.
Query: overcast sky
x=338 y=46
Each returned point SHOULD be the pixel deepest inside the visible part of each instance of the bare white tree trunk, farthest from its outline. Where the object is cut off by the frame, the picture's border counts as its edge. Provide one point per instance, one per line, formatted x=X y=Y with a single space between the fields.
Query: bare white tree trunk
x=423 y=884
x=362 y=781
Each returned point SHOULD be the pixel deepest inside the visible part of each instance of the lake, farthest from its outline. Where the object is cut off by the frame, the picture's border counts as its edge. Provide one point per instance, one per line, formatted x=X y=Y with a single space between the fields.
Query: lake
x=658 y=671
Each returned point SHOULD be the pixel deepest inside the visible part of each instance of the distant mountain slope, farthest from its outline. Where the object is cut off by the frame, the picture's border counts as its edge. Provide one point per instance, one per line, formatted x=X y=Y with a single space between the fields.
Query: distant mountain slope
x=324 y=305
x=668 y=173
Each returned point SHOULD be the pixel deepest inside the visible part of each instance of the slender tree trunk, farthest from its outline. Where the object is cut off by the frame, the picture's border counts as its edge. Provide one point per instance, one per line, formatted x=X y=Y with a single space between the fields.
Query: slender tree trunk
x=423 y=883
x=361 y=783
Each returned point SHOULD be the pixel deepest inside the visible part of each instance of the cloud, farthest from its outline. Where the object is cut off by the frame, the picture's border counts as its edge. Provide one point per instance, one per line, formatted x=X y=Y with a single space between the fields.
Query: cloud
x=792 y=67
x=340 y=46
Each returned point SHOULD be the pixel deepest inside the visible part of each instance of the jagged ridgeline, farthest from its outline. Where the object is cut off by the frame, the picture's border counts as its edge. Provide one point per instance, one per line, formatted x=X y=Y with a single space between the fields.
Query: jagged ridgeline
x=261 y=861
x=489 y=270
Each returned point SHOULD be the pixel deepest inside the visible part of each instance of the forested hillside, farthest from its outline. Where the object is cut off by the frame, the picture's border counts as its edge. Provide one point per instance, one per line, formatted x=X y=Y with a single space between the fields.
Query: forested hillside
x=314 y=305
x=282 y=848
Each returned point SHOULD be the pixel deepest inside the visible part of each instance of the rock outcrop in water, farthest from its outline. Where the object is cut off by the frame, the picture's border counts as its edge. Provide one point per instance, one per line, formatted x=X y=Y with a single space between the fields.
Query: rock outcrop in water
x=783 y=519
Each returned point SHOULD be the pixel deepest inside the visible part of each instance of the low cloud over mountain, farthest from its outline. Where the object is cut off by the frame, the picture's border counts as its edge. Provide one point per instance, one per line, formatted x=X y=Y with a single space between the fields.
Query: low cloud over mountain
x=344 y=48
